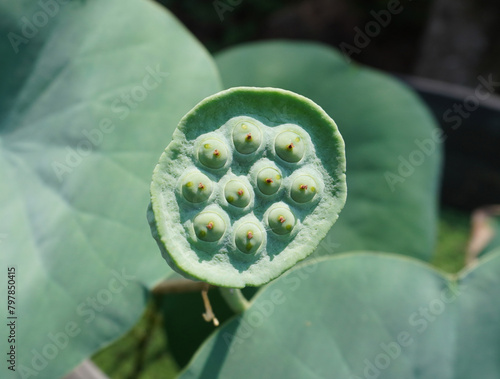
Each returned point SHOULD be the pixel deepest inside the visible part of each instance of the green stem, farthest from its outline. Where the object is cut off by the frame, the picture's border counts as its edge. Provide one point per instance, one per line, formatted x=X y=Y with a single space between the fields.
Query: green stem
x=235 y=299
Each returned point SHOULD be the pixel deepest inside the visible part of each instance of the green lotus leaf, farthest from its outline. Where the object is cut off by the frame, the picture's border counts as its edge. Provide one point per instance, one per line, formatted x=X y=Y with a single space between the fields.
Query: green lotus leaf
x=91 y=92
x=363 y=315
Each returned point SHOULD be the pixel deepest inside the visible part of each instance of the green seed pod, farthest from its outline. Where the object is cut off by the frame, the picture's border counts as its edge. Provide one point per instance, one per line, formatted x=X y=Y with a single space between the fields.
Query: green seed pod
x=233 y=203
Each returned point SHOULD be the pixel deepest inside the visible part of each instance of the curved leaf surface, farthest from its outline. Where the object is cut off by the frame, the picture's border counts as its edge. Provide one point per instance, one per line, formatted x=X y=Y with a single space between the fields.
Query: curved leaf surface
x=363 y=315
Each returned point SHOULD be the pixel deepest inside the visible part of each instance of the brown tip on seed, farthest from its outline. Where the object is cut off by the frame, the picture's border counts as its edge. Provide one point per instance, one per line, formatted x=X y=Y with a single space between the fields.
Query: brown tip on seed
x=269 y=180
x=290 y=146
x=281 y=219
x=249 y=137
x=210 y=225
x=201 y=186
x=249 y=235
x=216 y=152
x=303 y=186
x=240 y=192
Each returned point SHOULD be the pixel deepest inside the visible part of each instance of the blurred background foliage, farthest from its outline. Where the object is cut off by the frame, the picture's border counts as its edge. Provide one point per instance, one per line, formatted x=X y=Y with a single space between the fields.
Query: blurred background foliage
x=450 y=40
x=329 y=21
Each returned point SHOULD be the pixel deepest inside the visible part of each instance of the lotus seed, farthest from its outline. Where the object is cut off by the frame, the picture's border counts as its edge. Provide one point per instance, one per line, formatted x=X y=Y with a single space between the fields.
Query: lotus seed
x=281 y=220
x=269 y=180
x=196 y=193
x=237 y=193
x=247 y=137
x=213 y=153
x=289 y=146
x=209 y=226
x=248 y=237
x=303 y=189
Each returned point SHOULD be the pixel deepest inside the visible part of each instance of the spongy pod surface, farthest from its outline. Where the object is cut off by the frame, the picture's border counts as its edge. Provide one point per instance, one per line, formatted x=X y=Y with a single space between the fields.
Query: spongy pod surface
x=252 y=181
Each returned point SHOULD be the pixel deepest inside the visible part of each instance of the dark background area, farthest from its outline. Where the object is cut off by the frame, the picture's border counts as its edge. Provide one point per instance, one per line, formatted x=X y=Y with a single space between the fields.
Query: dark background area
x=440 y=47
x=450 y=40
x=332 y=22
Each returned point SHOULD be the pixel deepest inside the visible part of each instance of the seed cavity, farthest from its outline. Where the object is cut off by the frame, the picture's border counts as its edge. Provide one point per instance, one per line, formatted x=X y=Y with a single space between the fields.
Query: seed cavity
x=213 y=153
x=265 y=182
x=247 y=137
x=280 y=219
x=196 y=193
x=237 y=193
x=209 y=226
x=303 y=189
x=289 y=146
x=248 y=237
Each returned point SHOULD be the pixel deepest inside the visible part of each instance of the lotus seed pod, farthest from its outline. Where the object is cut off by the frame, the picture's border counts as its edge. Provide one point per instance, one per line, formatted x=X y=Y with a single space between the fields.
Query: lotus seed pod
x=281 y=220
x=209 y=226
x=269 y=180
x=236 y=200
x=237 y=193
x=213 y=153
x=196 y=187
x=247 y=137
x=289 y=146
x=249 y=237
x=303 y=189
